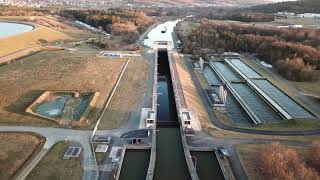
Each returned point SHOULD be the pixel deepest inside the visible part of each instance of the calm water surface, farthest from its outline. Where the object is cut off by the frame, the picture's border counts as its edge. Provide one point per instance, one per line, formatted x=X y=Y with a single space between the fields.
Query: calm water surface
x=9 y=29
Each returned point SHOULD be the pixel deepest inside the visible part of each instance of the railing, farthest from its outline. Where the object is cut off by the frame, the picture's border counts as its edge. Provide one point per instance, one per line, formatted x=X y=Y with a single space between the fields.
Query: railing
x=152 y=162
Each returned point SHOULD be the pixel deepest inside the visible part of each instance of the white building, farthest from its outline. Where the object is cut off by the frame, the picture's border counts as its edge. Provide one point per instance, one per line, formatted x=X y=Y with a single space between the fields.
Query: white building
x=309 y=15
x=285 y=13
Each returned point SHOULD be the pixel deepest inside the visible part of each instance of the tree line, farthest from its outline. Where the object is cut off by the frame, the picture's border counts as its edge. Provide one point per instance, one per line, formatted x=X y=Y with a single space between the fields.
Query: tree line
x=299 y=6
x=22 y=11
x=294 y=60
x=116 y=21
x=238 y=16
x=305 y=36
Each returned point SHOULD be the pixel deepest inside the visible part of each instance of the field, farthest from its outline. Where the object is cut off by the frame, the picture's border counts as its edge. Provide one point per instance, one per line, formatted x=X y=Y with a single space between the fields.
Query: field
x=291 y=125
x=53 y=167
x=131 y=89
x=249 y=155
x=47 y=32
x=311 y=88
x=15 y=150
x=21 y=83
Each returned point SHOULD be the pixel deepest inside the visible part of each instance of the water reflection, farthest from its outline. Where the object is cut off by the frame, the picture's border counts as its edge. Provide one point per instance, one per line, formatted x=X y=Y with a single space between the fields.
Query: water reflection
x=9 y=29
x=156 y=35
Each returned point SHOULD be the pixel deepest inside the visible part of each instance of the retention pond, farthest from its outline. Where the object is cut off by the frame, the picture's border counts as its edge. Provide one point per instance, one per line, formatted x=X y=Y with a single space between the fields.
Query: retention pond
x=10 y=29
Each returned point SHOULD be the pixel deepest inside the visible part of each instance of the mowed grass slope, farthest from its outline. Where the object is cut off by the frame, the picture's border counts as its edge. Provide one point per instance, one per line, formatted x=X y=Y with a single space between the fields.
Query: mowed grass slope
x=131 y=89
x=15 y=150
x=30 y=39
x=53 y=167
x=21 y=83
x=190 y=93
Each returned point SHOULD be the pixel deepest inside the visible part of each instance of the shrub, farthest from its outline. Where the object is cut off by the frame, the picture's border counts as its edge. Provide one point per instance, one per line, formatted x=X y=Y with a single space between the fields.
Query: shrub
x=279 y=162
x=314 y=154
x=296 y=70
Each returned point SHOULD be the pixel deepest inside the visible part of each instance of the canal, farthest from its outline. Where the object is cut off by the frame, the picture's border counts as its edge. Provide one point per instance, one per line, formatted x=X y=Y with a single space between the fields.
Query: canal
x=236 y=113
x=135 y=164
x=170 y=160
x=207 y=165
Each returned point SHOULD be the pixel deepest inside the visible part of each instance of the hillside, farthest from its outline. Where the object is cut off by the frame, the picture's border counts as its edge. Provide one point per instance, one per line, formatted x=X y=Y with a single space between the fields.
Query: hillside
x=204 y=2
x=300 y=6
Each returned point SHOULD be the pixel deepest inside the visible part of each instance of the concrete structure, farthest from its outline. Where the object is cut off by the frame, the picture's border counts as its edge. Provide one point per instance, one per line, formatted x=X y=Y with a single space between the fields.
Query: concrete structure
x=118 y=54
x=284 y=14
x=245 y=106
x=309 y=15
x=201 y=63
x=277 y=107
x=163 y=45
x=151 y=119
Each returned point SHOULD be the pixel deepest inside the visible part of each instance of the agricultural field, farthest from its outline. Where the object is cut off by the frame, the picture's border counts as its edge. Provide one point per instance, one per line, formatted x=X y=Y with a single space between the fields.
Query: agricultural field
x=15 y=150
x=24 y=81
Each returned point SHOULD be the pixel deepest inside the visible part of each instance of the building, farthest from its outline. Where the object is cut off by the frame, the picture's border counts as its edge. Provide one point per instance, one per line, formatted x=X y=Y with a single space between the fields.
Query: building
x=309 y=15
x=284 y=14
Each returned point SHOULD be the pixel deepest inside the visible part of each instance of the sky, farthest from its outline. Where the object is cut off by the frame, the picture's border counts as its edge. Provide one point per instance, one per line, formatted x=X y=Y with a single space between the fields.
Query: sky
x=281 y=0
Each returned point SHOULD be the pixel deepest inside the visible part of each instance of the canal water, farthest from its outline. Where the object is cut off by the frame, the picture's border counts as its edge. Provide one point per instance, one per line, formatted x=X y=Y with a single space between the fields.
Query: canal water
x=261 y=109
x=9 y=29
x=289 y=105
x=246 y=70
x=226 y=72
x=156 y=35
x=170 y=159
x=135 y=164
x=207 y=165
x=236 y=113
x=254 y=101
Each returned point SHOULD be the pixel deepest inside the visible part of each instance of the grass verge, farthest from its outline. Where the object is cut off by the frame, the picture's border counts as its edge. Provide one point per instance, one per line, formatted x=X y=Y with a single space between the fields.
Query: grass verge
x=131 y=89
x=24 y=81
x=52 y=166
x=15 y=150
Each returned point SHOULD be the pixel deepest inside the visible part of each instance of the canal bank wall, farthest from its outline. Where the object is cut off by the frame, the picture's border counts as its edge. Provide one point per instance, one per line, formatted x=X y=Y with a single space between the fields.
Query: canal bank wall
x=152 y=161
x=180 y=104
x=245 y=106
x=264 y=96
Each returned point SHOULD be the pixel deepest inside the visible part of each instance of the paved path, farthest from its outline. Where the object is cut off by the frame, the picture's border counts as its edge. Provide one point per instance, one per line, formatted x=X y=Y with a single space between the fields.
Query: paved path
x=54 y=135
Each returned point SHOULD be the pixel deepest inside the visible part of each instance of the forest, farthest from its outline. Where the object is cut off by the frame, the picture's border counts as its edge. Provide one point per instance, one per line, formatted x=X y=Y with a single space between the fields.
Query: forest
x=299 y=6
x=113 y=21
x=295 y=57
x=22 y=11
x=237 y=16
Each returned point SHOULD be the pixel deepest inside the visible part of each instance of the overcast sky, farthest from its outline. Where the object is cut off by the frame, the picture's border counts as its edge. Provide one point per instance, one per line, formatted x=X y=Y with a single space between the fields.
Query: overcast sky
x=282 y=0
